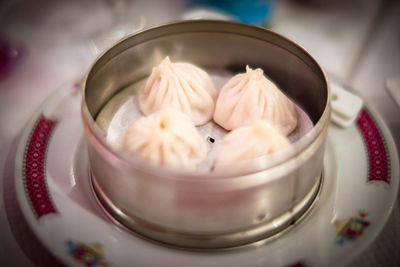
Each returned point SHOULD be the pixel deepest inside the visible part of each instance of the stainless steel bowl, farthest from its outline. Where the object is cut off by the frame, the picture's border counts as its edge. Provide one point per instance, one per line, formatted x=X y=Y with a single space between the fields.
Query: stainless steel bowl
x=207 y=210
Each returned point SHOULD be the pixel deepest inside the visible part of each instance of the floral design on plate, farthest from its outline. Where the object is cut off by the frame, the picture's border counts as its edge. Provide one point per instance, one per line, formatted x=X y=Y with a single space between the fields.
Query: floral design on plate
x=90 y=254
x=77 y=86
x=34 y=168
x=378 y=156
x=351 y=228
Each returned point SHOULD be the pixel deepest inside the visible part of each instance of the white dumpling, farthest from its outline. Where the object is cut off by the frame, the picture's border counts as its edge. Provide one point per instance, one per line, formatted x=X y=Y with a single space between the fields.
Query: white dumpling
x=183 y=86
x=249 y=142
x=249 y=97
x=167 y=138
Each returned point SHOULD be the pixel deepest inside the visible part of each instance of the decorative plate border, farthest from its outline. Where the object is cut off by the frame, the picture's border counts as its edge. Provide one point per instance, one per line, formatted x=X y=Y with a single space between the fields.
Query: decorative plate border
x=34 y=168
x=377 y=153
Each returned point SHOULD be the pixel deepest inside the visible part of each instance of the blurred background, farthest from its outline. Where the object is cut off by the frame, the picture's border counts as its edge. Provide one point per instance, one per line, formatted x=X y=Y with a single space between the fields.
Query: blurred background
x=46 y=44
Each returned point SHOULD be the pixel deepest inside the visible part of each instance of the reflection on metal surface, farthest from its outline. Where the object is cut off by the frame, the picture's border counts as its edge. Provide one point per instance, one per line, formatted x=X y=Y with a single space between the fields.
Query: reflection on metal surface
x=257 y=235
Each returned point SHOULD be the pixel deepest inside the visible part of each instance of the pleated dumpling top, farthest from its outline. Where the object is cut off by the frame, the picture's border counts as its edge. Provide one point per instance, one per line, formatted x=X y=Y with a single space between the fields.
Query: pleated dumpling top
x=166 y=138
x=182 y=86
x=249 y=97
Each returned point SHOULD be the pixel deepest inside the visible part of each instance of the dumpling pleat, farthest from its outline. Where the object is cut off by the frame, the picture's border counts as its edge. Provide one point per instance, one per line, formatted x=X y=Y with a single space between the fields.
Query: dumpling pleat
x=249 y=97
x=182 y=86
x=166 y=138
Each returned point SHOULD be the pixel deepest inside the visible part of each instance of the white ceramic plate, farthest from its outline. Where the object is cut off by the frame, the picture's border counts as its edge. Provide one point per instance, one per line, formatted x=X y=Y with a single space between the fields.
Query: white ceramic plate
x=52 y=184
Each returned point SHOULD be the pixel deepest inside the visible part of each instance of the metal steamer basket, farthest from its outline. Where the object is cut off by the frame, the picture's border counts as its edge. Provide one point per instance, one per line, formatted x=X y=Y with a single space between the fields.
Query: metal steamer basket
x=207 y=210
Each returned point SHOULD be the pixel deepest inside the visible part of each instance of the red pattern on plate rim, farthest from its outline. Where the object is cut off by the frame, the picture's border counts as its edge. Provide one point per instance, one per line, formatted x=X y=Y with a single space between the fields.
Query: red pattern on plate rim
x=378 y=157
x=34 y=171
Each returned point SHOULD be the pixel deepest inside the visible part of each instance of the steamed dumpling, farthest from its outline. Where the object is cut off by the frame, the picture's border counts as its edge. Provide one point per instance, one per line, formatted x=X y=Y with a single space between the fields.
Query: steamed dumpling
x=182 y=86
x=250 y=142
x=167 y=138
x=249 y=97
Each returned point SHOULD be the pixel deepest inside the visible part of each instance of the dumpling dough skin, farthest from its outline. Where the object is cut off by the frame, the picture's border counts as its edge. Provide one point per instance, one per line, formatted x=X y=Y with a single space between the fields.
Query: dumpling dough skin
x=182 y=86
x=167 y=138
x=249 y=97
x=249 y=142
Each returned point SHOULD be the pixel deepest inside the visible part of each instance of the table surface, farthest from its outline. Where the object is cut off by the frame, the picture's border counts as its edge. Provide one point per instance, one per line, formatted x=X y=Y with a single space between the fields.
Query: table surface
x=357 y=42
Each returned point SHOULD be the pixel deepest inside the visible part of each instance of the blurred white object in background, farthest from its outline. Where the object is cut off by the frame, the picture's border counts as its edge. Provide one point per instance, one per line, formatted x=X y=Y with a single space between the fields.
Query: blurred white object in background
x=126 y=19
x=393 y=87
x=333 y=34
x=345 y=105
x=205 y=13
